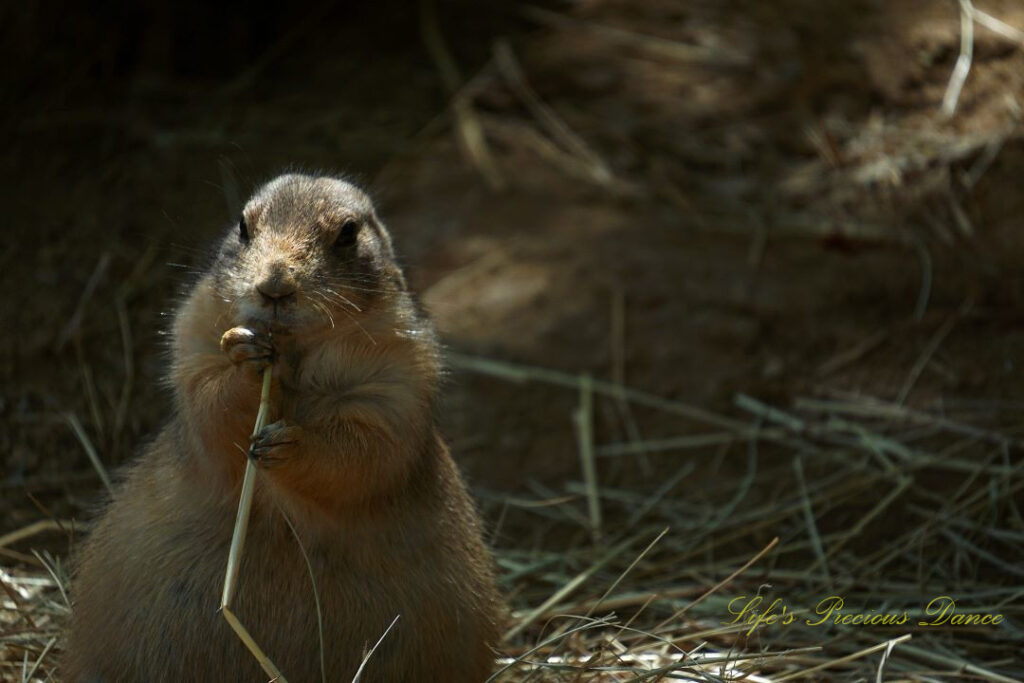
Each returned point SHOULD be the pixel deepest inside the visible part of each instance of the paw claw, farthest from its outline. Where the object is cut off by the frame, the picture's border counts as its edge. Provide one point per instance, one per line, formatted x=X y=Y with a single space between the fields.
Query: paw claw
x=273 y=443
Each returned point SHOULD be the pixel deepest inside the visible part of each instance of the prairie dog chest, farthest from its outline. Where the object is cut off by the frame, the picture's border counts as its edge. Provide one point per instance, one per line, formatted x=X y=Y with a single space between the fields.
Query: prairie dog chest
x=329 y=379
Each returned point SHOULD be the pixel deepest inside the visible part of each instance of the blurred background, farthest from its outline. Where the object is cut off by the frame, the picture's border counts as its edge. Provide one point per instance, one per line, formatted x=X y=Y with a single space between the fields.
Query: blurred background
x=743 y=270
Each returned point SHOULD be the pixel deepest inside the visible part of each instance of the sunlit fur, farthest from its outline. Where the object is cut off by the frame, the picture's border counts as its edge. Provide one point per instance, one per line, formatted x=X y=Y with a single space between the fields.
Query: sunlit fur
x=372 y=491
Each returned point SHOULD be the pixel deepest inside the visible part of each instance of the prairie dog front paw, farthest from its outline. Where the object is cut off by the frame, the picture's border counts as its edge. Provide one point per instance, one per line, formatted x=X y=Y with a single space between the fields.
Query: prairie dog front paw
x=247 y=346
x=274 y=443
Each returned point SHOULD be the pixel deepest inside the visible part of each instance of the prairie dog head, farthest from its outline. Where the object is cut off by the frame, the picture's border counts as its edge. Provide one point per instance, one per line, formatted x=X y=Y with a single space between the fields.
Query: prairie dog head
x=307 y=253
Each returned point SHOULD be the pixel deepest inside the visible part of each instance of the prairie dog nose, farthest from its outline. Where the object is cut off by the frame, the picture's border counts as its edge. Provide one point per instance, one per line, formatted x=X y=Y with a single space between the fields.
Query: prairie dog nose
x=277 y=286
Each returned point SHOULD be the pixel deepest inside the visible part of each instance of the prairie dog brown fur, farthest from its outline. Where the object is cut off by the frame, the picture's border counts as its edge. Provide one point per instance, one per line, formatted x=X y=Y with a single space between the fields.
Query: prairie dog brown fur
x=351 y=455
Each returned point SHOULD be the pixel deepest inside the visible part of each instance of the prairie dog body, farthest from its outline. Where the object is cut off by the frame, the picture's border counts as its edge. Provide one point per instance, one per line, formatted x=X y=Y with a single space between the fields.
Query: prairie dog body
x=308 y=281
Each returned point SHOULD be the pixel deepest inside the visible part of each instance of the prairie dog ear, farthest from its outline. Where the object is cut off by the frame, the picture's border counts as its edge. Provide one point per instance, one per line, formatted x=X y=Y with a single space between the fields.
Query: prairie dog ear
x=384 y=234
x=244 y=232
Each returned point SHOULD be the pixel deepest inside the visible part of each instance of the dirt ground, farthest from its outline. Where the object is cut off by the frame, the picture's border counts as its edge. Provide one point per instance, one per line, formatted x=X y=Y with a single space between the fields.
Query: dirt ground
x=703 y=201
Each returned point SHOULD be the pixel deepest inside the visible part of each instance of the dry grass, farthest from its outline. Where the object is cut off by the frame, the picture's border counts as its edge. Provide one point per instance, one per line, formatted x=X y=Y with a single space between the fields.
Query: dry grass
x=881 y=505
x=884 y=506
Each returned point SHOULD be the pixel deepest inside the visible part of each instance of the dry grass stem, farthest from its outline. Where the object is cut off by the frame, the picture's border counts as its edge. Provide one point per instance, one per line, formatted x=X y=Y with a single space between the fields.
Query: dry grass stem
x=238 y=541
x=90 y=450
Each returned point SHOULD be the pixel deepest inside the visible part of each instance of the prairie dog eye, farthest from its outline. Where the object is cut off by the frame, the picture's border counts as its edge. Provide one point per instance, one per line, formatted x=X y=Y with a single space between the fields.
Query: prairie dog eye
x=347 y=235
x=243 y=231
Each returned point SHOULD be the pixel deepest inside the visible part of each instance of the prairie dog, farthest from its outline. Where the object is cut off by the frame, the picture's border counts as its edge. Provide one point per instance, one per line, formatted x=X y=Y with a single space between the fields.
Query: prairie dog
x=306 y=280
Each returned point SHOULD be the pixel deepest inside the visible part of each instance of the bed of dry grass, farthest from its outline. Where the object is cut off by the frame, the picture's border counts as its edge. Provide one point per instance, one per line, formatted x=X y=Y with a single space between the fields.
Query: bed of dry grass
x=675 y=582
